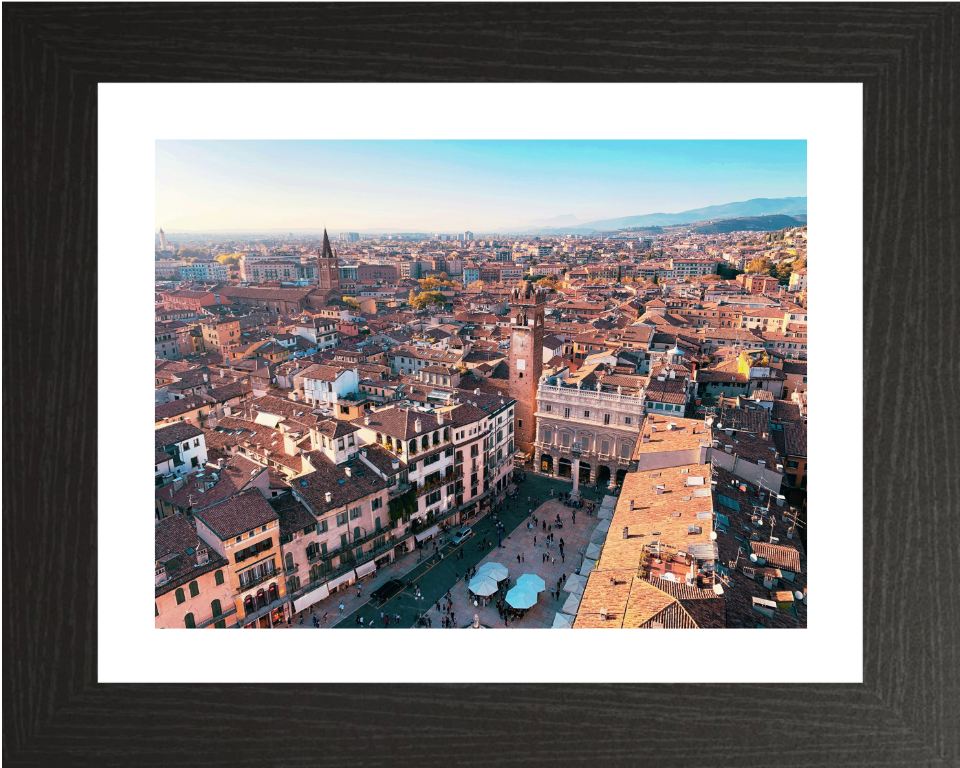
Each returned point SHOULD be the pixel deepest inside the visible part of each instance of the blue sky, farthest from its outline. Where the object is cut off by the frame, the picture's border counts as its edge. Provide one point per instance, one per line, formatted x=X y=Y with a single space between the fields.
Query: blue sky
x=451 y=186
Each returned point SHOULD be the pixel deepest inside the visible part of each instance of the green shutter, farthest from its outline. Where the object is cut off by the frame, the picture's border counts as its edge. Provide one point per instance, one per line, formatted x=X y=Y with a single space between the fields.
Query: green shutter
x=215 y=606
x=219 y=577
x=180 y=597
x=194 y=589
x=188 y=621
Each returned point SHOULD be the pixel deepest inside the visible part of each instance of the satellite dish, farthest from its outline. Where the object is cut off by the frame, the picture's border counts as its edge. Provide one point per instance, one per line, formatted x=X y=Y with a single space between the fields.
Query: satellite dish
x=798 y=594
x=713 y=535
x=753 y=557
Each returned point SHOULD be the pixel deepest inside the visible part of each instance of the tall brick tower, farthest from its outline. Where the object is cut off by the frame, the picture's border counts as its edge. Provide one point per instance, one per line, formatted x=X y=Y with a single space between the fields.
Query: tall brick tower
x=328 y=270
x=526 y=359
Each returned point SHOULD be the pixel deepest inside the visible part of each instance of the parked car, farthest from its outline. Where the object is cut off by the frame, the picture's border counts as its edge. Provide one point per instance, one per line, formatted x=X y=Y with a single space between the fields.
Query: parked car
x=462 y=535
x=385 y=591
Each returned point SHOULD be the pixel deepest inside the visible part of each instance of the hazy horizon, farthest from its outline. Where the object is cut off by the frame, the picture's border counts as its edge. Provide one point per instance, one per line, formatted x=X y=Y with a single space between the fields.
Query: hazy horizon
x=452 y=186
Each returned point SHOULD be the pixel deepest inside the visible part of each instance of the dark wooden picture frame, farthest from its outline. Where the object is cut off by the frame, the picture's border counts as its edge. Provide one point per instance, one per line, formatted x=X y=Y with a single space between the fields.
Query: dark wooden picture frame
x=906 y=713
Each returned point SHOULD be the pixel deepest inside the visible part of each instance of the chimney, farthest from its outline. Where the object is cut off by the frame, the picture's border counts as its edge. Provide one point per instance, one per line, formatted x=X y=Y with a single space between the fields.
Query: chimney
x=761 y=463
x=328 y=496
x=161 y=574
x=222 y=372
x=476 y=391
x=660 y=489
x=395 y=463
x=203 y=557
x=440 y=418
x=348 y=471
x=673 y=374
x=205 y=378
x=672 y=426
x=631 y=505
x=417 y=425
x=366 y=421
x=626 y=528
x=653 y=428
x=728 y=448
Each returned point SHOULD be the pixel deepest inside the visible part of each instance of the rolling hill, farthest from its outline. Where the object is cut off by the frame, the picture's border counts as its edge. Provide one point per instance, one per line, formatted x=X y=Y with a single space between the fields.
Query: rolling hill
x=748 y=223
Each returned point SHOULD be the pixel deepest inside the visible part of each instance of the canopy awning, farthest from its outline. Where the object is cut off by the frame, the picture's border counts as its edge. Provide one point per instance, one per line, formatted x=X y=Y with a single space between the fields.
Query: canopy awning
x=434 y=529
x=572 y=604
x=341 y=579
x=311 y=597
x=366 y=568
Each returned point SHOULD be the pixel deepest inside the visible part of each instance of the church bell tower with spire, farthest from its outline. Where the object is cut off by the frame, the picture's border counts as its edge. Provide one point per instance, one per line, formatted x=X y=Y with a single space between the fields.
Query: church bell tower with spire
x=328 y=271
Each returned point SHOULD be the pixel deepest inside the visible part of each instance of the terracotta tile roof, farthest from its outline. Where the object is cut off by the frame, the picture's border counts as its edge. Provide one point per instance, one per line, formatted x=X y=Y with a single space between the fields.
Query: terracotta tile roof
x=791 y=440
x=328 y=477
x=238 y=514
x=178 y=407
x=175 y=433
x=294 y=516
x=173 y=537
x=211 y=485
x=778 y=555
x=688 y=434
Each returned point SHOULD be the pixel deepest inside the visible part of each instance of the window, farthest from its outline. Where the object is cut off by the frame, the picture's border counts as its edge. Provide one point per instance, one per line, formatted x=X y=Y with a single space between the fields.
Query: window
x=194 y=462
x=605 y=447
x=342 y=519
x=565 y=440
x=180 y=597
x=547 y=408
x=606 y=418
x=793 y=464
x=519 y=423
x=354 y=513
x=586 y=414
x=215 y=607
x=188 y=621
x=566 y=413
x=376 y=504
x=627 y=420
x=186 y=446
x=547 y=435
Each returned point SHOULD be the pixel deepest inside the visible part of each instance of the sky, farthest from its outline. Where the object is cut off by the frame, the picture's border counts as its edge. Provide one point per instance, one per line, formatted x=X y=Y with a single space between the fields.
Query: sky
x=452 y=186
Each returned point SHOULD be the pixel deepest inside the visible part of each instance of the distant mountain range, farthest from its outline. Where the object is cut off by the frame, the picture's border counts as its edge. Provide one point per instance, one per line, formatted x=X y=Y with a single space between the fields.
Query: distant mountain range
x=760 y=206
x=750 y=223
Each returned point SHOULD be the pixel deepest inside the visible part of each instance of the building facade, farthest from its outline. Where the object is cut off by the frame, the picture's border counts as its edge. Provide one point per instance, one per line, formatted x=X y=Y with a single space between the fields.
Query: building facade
x=606 y=424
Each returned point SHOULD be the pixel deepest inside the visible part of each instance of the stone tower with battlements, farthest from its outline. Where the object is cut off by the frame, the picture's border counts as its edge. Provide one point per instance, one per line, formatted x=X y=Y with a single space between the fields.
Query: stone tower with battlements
x=527 y=305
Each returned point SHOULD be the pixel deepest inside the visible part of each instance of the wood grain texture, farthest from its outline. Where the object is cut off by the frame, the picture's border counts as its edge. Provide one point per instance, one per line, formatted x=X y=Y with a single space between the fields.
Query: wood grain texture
x=905 y=714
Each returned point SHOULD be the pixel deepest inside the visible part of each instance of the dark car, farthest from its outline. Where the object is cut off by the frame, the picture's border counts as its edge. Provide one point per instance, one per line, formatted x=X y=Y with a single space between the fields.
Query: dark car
x=385 y=591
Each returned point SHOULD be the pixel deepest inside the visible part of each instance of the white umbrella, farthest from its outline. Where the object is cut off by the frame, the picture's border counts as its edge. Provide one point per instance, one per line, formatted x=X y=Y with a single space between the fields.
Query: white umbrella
x=495 y=571
x=575 y=584
x=603 y=527
x=521 y=598
x=593 y=551
x=531 y=582
x=562 y=621
x=598 y=538
x=483 y=585
x=572 y=604
x=586 y=566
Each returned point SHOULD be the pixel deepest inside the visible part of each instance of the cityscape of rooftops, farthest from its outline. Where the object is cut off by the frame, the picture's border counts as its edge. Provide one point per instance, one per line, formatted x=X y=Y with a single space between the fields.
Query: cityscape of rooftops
x=387 y=373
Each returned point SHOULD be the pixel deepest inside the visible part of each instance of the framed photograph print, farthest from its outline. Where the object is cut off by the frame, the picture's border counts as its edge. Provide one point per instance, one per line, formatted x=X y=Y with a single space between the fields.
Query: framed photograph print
x=480 y=316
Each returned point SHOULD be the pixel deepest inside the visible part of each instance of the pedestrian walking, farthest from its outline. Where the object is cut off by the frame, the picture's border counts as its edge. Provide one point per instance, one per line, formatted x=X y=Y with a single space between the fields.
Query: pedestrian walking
x=361 y=621
x=341 y=607
x=562 y=558
x=553 y=560
x=544 y=525
x=574 y=518
x=534 y=540
x=324 y=616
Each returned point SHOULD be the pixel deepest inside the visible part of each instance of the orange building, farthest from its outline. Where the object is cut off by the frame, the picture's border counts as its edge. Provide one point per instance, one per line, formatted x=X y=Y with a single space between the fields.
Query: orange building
x=245 y=531
x=192 y=590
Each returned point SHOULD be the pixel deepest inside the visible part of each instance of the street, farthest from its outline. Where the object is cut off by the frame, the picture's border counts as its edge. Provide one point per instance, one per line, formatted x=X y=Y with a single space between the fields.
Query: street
x=435 y=577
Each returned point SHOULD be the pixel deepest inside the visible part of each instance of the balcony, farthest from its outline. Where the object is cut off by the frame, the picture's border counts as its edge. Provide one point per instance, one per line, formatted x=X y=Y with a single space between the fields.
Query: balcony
x=398 y=490
x=246 y=586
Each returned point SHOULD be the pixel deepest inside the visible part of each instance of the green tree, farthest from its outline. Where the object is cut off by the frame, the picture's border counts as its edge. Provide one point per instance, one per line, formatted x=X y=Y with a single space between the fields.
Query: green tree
x=423 y=300
x=351 y=302
x=759 y=265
